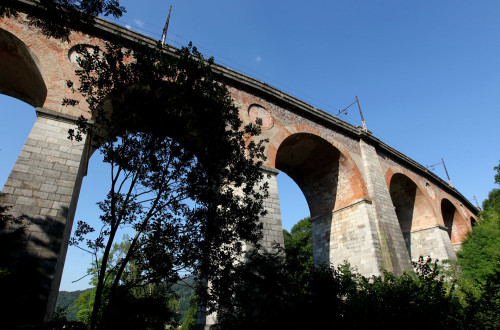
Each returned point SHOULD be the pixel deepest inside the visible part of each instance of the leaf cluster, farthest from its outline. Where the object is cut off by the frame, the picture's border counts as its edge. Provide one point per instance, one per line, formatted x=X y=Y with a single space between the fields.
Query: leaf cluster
x=298 y=246
x=185 y=174
x=267 y=294
x=57 y=18
x=479 y=256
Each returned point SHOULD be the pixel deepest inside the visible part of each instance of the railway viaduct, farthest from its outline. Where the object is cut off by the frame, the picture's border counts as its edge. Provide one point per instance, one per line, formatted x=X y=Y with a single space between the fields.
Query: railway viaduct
x=369 y=203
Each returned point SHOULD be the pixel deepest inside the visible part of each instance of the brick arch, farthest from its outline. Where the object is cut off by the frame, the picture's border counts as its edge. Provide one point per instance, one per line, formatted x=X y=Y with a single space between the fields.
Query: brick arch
x=430 y=201
x=413 y=209
x=21 y=74
x=328 y=177
x=51 y=58
x=473 y=222
x=455 y=223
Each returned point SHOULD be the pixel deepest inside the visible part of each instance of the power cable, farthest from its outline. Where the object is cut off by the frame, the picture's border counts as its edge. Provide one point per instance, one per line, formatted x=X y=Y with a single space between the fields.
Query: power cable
x=226 y=62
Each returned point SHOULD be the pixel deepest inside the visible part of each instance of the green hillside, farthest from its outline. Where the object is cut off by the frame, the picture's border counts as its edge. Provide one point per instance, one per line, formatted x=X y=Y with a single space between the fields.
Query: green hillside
x=66 y=299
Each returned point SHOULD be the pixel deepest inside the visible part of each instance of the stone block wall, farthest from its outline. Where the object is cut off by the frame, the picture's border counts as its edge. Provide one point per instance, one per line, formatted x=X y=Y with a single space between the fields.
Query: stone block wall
x=348 y=234
x=273 y=229
x=433 y=242
x=43 y=187
x=395 y=257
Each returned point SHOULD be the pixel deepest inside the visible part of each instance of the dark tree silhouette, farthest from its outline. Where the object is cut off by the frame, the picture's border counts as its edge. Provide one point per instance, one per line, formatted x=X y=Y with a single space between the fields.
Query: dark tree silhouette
x=185 y=174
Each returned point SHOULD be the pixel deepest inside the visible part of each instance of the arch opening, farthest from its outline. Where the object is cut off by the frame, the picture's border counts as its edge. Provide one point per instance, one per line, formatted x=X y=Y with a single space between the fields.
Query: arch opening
x=335 y=194
x=16 y=120
x=293 y=204
x=20 y=71
x=313 y=164
x=455 y=224
x=412 y=210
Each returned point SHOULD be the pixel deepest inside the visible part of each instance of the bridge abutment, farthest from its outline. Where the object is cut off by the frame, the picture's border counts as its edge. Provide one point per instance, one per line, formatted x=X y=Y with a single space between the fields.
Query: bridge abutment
x=43 y=188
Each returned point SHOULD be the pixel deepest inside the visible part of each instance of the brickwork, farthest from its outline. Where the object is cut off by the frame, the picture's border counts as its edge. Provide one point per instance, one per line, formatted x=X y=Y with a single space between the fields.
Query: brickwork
x=419 y=218
x=455 y=216
x=457 y=225
x=43 y=187
x=42 y=65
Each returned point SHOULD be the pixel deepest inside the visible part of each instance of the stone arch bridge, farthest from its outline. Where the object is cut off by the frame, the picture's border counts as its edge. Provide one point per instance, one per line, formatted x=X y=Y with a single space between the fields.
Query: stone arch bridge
x=369 y=203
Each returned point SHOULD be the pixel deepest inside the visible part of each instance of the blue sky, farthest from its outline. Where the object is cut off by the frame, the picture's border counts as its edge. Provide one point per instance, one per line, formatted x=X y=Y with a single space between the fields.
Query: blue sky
x=427 y=74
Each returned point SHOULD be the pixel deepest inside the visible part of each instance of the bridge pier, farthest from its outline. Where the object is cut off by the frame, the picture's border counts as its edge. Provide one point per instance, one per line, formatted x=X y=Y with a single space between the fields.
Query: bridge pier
x=272 y=234
x=43 y=188
x=433 y=242
x=348 y=234
x=273 y=228
x=395 y=257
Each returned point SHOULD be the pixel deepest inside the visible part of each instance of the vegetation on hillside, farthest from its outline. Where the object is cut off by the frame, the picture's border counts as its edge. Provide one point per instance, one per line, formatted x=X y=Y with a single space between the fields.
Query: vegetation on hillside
x=479 y=257
x=176 y=298
x=66 y=301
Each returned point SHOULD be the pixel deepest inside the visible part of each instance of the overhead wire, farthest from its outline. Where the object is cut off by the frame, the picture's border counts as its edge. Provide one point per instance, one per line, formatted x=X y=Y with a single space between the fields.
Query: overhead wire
x=225 y=61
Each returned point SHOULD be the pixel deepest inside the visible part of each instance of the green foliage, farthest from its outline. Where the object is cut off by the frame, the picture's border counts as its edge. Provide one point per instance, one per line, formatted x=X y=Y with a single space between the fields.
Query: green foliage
x=190 y=319
x=184 y=290
x=491 y=206
x=418 y=298
x=298 y=243
x=497 y=174
x=66 y=300
x=178 y=152
x=77 y=305
x=268 y=294
x=482 y=303
x=273 y=291
x=479 y=257
x=84 y=305
x=57 y=18
x=59 y=321
x=148 y=311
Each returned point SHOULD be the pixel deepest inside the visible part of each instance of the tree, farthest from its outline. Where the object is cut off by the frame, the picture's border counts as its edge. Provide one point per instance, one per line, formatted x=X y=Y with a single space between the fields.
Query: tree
x=298 y=245
x=57 y=18
x=166 y=305
x=66 y=300
x=190 y=319
x=479 y=257
x=497 y=175
x=269 y=294
x=185 y=174
x=298 y=242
